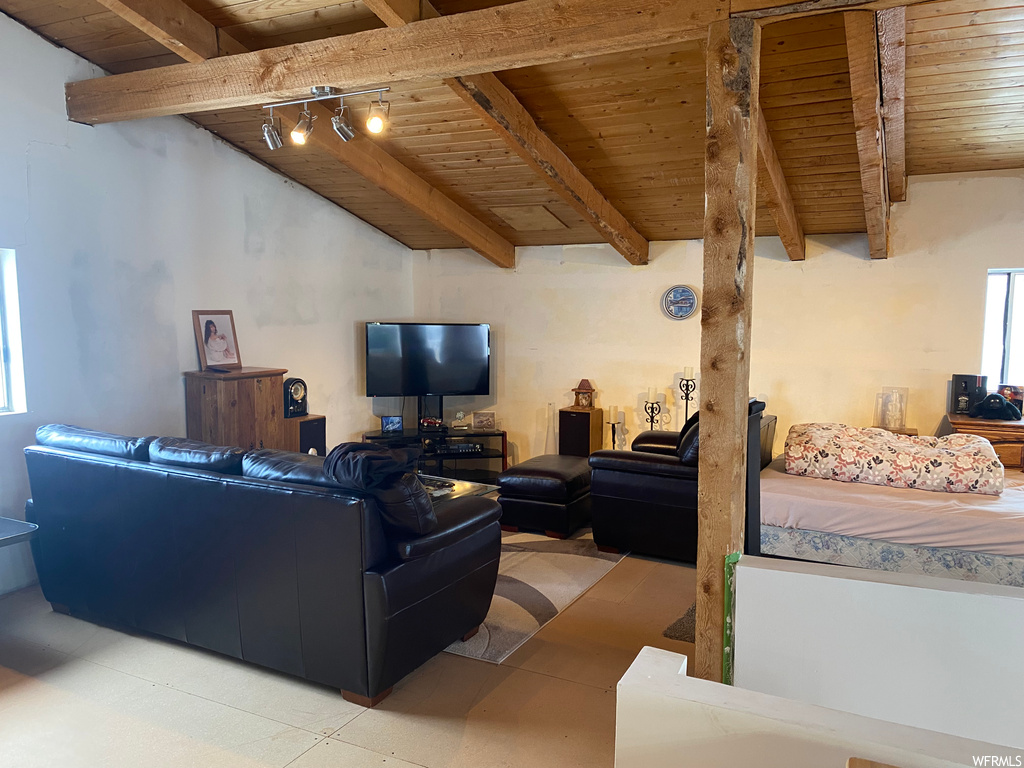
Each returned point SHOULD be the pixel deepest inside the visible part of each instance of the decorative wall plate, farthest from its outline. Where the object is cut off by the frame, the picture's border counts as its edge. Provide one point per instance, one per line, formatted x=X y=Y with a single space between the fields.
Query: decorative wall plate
x=679 y=302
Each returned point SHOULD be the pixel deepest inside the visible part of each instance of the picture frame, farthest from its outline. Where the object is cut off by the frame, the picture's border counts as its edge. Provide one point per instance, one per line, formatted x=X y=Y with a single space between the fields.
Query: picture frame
x=483 y=420
x=390 y=423
x=216 y=339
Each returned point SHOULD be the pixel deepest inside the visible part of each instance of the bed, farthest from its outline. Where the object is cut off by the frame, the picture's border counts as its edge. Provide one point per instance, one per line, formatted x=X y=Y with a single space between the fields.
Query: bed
x=967 y=536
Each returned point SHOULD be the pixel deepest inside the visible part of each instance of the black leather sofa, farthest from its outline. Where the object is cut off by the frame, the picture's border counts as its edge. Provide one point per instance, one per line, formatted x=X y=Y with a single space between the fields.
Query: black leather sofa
x=258 y=556
x=645 y=500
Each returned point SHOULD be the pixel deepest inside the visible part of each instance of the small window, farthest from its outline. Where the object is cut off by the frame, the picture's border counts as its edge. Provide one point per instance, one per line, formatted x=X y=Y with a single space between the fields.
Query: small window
x=12 y=371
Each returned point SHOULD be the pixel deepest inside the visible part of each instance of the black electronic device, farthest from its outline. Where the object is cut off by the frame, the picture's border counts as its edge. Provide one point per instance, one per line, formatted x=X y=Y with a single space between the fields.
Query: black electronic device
x=296 y=402
x=966 y=391
x=421 y=359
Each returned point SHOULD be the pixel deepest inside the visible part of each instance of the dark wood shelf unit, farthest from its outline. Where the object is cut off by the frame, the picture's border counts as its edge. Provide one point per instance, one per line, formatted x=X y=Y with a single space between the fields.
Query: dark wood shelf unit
x=478 y=467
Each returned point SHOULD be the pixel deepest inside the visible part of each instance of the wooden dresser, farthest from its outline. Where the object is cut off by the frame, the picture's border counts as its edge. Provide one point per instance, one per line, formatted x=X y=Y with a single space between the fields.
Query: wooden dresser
x=244 y=407
x=1007 y=437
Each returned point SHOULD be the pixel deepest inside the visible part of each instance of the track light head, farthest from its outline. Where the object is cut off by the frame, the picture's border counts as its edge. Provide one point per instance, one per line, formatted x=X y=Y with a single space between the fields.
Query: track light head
x=304 y=127
x=342 y=123
x=271 y=135
x=377 y=118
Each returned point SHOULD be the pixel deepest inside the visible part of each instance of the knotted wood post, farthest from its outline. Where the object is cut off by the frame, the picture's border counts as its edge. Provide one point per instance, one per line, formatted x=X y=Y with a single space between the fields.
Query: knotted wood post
x=730 y=177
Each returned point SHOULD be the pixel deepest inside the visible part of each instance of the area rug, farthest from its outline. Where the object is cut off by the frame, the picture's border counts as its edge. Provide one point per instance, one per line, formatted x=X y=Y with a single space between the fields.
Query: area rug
x=538 y=578
x=683 y=628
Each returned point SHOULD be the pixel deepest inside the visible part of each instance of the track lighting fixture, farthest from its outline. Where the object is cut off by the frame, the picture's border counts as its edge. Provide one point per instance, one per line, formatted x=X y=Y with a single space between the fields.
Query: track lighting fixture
x=270 y=133
x=342 y=123
x=377 y=117
x=304 y=127
x=376 y=120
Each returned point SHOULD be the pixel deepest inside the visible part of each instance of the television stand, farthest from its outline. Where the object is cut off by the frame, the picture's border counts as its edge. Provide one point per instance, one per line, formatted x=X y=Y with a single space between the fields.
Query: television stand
x=474 y=455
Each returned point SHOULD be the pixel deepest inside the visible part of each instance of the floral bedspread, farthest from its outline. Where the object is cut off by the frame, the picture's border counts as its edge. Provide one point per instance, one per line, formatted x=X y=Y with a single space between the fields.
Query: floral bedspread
x=954 y=463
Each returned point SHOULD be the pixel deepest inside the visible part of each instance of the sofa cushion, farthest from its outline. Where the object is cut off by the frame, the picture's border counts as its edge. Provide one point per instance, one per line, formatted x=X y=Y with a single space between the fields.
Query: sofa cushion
x=549 y=478
x=639 y=462
x=287 y=467
x=405 y=506
x=689 y=447
x=456 y=520
x=91 y=441
x=690 y=422
x=656 y=441
x=194 y=454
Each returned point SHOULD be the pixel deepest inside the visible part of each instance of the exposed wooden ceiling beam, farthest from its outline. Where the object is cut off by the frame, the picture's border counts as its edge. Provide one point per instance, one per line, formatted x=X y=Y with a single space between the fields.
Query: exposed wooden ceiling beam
x=892 y=49
x=371 y=162
x=396 y=13
x=499 y=108
x=503 y=113
x=360 y=154
x=862 y=51
x=521 y=34
x=171 y=23
x=772 y=185
x=777 y=10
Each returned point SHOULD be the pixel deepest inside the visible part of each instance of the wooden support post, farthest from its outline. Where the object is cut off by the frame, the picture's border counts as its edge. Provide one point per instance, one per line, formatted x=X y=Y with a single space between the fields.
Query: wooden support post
x=730 y=178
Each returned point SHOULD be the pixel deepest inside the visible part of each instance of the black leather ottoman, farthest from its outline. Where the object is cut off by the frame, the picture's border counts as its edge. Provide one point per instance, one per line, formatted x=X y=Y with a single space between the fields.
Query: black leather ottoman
x=546 y=493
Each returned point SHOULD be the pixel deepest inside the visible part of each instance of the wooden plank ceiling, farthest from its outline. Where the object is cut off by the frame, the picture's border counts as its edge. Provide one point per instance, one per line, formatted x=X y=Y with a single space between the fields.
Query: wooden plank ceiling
x=632 y=123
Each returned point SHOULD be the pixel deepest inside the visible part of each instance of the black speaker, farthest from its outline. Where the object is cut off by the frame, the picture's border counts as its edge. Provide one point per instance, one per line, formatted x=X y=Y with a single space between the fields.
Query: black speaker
x=972 y=386
x=313 y=434
x=295 y=401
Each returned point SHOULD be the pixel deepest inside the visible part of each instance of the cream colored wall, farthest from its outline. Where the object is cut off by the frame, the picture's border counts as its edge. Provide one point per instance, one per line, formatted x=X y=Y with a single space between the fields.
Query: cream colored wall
x=828 y=333
x=122 y=230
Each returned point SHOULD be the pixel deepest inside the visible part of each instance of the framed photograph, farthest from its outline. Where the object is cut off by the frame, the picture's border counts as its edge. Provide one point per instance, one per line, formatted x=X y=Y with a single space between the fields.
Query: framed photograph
x=390 y=423
x=1014 y=394
x=483 y=420
x=216 y=340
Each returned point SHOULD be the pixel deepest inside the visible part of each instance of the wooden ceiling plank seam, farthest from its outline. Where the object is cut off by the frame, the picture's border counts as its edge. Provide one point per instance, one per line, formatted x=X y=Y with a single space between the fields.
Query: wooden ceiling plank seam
x=865 y=86
x=525 y=33
x=773 y=186
x=360 y=154
x=892 y=54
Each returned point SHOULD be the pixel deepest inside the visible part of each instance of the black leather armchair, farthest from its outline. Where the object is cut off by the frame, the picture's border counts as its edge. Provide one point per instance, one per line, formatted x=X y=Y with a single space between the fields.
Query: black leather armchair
x=645 y=500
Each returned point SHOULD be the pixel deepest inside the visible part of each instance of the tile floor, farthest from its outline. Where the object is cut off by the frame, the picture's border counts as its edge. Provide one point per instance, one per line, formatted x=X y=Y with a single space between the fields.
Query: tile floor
x=74 y=694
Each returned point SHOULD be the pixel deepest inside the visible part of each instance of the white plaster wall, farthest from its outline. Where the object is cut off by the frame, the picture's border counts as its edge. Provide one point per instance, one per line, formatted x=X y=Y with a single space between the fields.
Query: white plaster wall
x=664 y=719
x=932 y=653
x=828 y=333
x=122 y=230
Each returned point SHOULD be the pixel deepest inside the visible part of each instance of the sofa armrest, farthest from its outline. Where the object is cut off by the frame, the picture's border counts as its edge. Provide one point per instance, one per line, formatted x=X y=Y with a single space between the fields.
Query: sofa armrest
x=642 y=463
x=656 y=441
x=456 y=520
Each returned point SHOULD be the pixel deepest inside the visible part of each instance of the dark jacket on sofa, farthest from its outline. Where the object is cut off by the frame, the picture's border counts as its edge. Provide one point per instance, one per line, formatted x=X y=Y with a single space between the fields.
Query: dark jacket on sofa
x=259 y=556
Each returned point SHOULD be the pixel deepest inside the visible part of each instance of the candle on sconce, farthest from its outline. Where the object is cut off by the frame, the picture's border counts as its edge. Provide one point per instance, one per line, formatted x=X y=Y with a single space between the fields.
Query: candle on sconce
x=688 y=372
x=613 y=413
x=650 y=394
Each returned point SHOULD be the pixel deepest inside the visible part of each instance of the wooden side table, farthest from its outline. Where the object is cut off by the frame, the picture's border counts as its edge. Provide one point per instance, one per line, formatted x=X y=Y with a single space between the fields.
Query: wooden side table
x=1007 y=437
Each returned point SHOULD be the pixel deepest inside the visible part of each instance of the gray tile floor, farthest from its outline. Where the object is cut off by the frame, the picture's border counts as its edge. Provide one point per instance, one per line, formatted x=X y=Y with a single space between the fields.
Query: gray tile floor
x=74 y=694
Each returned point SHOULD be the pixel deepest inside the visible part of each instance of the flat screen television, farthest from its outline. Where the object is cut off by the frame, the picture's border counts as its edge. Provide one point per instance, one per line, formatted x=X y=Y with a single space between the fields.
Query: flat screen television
x=418 y=359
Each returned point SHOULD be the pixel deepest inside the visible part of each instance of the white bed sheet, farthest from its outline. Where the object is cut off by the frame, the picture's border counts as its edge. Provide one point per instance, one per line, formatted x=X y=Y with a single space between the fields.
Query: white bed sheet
x=972 y=521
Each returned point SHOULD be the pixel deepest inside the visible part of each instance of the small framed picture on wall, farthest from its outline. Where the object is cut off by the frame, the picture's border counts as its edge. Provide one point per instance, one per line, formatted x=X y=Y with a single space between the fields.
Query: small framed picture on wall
x=216 y=339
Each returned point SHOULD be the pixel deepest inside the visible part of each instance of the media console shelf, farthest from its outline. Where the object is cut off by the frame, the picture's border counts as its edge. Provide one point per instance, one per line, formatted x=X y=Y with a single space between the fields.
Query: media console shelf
x=475 y=455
